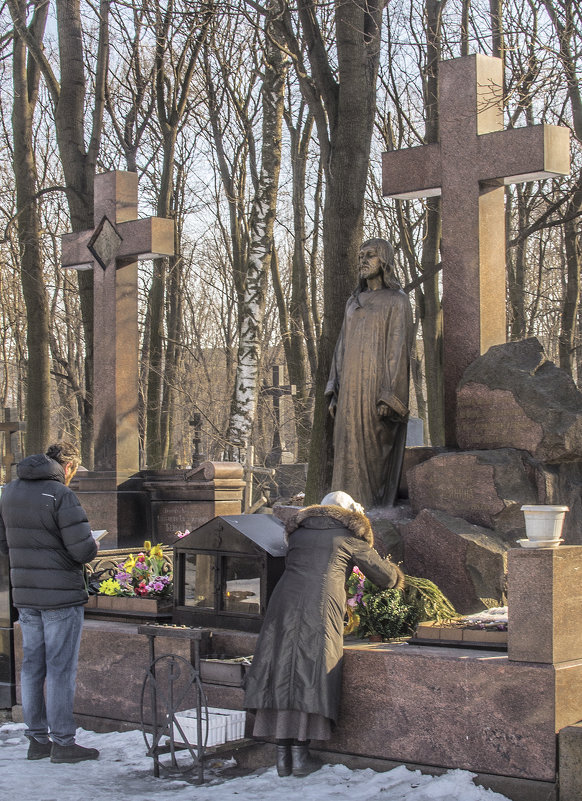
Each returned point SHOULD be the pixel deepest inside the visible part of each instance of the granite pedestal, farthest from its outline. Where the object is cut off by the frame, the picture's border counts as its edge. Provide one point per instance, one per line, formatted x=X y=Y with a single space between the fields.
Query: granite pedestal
x=492 y=713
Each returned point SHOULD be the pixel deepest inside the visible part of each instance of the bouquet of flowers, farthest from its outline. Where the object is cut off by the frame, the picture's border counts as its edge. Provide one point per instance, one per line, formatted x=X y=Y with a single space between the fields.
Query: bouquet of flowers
x=392 y=613
x=146 y=575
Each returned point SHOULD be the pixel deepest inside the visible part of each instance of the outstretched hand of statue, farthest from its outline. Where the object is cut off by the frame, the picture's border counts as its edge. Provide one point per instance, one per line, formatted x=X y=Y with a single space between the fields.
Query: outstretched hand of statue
x=333 y=406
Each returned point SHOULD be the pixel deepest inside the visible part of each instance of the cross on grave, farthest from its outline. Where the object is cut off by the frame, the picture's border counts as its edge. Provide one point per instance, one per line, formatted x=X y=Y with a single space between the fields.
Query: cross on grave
x=276 y=392
x=112 y=250
x=196 y=424
x=9 y=426
x=469 y=166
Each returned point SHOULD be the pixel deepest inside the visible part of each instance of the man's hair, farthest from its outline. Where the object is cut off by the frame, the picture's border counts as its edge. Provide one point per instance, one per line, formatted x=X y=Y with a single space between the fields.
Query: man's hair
x=64 y=452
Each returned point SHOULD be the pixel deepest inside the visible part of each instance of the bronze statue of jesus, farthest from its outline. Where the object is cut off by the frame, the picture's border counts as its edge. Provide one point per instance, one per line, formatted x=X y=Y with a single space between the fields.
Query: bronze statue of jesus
x=368 y=382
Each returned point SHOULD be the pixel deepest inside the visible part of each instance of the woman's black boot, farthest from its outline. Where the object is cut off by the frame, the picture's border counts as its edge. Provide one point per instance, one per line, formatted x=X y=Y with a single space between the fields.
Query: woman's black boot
x=284 y=760
x=303 y=762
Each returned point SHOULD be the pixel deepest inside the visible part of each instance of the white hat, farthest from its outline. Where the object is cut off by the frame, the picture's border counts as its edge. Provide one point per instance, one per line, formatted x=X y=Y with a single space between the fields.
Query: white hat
x=342 y=499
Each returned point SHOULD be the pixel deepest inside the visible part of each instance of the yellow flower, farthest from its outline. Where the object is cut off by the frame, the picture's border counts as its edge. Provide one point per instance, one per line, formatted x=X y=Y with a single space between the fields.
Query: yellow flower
x=157 y=552
x=129 y=562
x=147 y=546
x=110 y=587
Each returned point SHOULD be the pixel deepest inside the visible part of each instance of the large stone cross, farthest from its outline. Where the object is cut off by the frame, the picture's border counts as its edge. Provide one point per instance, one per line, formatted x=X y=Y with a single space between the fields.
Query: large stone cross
x=112 y=251
x=468 y=167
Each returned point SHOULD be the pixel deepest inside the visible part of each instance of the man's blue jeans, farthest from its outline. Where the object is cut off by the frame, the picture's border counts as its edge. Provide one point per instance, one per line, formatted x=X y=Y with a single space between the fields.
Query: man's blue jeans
x=50 y=650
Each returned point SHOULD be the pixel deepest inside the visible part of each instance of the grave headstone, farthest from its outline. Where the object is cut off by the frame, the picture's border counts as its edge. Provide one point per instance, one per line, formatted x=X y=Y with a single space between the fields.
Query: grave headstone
x=414 y=432
x=278 y=454
x=186 y=499
x=112 y=494
x=11 y=428
x=468 y=167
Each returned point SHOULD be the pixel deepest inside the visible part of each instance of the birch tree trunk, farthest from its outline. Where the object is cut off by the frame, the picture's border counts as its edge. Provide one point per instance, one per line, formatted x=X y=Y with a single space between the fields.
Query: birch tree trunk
x=244 y=402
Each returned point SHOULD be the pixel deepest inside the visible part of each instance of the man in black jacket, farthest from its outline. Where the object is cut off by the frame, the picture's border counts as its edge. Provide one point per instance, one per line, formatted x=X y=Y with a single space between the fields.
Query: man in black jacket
x=45 y=532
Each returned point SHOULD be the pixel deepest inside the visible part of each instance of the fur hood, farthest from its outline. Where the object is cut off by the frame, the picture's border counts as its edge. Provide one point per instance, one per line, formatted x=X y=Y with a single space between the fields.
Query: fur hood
x=358 y=524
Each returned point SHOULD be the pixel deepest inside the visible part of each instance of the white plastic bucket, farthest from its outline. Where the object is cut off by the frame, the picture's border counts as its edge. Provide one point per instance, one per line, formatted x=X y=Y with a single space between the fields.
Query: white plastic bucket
x=544 y=522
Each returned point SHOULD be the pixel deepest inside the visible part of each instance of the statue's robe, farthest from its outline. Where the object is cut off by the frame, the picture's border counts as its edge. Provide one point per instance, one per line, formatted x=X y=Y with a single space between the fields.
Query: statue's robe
x=371 y=365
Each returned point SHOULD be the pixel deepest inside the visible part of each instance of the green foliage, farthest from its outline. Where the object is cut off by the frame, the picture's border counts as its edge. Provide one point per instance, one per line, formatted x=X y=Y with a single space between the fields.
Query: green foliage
x=388 y=615
x=393 y=613
x=426 y=596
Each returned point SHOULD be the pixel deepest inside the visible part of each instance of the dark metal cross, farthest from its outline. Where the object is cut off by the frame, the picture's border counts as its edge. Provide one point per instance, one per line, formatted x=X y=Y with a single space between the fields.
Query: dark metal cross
x=469 y=166
x=112 y=251
x=277 y=391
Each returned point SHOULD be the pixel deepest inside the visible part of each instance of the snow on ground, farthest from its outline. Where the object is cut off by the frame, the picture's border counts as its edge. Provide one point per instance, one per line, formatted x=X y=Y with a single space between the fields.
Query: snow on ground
x=124 y=772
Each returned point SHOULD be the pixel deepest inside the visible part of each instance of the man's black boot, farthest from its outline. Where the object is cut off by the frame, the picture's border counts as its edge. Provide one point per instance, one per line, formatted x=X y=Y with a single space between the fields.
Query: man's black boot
x=72 y=753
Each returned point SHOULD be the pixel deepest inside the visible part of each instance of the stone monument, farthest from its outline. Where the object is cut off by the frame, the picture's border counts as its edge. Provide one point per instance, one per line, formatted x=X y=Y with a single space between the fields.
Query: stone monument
x=112 y=494
x=466 y=504
x=468 y=167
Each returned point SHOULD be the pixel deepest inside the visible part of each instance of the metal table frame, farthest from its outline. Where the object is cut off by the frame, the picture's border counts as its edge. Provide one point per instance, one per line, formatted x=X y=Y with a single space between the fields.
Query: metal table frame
x=172 y=702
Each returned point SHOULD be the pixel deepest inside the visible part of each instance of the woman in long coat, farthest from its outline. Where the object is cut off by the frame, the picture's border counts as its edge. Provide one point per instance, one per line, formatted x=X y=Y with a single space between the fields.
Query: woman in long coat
x=294 y=683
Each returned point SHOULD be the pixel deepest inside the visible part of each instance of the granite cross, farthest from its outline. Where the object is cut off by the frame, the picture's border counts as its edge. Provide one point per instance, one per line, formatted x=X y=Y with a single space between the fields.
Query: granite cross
x=112 y=251
x=469 y=166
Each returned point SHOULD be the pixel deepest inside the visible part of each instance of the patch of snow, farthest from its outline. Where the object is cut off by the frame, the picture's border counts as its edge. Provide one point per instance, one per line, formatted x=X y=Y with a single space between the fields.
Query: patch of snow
x=124 y=771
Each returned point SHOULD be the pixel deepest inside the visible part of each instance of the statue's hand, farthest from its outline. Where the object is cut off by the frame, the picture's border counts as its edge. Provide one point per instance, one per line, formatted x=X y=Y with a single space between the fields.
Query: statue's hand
x=332 y=407
x=388 y=413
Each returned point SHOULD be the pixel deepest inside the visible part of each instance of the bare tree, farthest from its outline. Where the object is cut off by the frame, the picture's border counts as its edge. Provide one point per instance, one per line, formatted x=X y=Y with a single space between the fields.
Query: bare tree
x=178 y=46
x=68 y=96
x=26 y=77
x=336 y=67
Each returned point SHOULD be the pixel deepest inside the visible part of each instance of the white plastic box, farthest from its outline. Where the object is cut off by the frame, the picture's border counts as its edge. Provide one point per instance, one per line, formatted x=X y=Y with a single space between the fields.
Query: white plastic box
x=216 y=725
x=228 y=724
x=235 y=721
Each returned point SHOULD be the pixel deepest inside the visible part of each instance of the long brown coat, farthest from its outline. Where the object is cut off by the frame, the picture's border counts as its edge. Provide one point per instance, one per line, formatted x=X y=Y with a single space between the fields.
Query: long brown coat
x=298 y=660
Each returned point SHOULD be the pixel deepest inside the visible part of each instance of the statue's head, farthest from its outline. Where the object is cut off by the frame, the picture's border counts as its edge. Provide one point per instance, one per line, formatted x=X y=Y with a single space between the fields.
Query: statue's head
x=384 y=252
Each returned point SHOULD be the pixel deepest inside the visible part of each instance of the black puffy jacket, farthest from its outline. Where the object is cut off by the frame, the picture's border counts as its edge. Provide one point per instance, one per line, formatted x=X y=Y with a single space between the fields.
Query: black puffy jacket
x=44 y=529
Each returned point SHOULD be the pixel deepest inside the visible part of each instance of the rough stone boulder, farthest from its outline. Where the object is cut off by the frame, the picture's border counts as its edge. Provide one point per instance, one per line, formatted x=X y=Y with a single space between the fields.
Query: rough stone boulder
x=468 y=563
x=412 y=457
x=487 y=488
x=513 y=397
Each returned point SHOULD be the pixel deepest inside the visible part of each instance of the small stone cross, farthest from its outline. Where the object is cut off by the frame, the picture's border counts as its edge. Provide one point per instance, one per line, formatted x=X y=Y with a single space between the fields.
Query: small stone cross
x=112 y=251
x=468 y=167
